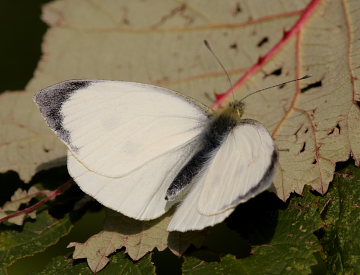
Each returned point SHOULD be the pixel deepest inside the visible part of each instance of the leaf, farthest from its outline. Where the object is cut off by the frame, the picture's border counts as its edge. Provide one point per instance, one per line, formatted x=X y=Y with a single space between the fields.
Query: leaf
x=33 y=238
x=178 y=242
x=313 y=122
x=341 y=219
x=290 y=250
x=120 y=264
x=19 y=198
x=26 y=144
x=138 y=237
x=66 y=266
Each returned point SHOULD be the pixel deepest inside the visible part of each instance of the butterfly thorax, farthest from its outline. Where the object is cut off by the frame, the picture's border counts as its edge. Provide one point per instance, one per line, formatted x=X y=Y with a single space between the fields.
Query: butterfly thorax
x=221 y=123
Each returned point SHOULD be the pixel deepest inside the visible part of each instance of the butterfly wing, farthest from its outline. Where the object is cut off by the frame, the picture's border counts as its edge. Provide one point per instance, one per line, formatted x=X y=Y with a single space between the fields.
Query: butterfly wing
x=242 y=167
x=187 y=217
x=127 y=141
x=115 y=127
x=140 y=194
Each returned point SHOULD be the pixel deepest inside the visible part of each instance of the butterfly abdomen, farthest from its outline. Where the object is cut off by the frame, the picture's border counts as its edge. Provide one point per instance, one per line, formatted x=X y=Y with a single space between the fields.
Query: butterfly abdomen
x=220 y=126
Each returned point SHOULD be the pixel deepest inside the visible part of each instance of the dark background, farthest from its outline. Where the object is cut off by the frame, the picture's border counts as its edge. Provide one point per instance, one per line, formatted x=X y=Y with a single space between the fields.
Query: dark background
x=21 y=34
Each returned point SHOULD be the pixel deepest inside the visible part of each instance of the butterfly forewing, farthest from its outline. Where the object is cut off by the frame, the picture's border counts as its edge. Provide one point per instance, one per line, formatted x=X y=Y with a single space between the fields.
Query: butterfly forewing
x=115 y=127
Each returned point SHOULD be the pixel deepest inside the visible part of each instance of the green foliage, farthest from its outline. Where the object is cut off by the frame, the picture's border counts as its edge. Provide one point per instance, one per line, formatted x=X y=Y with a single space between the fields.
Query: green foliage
x=34 y=237
x=311 y=234
x=340 y=234
x=119 y=264
x=290 y=250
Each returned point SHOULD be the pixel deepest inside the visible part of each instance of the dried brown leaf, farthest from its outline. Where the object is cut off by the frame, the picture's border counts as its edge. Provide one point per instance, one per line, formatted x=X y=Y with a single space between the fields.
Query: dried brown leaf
x=138 y=238
x=314 y=122
x=19 y=198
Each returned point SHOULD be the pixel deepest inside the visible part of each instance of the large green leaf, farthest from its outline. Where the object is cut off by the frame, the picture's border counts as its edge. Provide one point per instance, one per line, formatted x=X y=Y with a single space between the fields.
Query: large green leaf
x=34 y=237
x=308 y=222
x=289 y=251
x=341 y=231
x=120 y=264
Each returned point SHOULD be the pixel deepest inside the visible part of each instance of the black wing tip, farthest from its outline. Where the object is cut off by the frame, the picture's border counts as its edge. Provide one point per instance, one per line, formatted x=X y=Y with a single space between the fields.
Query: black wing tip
x=50 y=101
x=66 y=87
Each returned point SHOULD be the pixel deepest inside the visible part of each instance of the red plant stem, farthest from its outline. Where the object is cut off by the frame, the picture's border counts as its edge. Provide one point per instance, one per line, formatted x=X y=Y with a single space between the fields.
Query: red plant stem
x=52 y=196
x=309 y=10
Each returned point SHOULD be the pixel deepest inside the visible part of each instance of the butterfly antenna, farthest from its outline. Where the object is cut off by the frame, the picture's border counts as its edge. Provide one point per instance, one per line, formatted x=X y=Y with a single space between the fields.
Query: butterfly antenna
x=277 y=85
x=219 y=62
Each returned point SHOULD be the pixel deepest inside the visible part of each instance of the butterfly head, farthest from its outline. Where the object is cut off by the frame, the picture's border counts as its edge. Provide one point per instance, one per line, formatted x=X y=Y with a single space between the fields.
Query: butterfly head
x=237 y=105
x=233 y=112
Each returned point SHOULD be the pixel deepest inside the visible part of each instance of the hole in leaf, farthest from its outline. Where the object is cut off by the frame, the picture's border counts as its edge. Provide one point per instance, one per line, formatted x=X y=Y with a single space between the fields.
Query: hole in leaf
x=297 y=131
x=276 y=72
x=46 y=150
x=306 y=130
x=311 y=86
x=262 y=42
x=314 y=161
x=357 y=103
x=233 y=46
x=303 y=147
x=237 y=9
x=336 y=130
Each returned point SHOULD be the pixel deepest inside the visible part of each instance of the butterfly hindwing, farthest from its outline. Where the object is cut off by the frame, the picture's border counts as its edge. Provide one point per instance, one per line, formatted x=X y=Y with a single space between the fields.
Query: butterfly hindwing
x=241 y=168
x=187 y=217
x=140 y=194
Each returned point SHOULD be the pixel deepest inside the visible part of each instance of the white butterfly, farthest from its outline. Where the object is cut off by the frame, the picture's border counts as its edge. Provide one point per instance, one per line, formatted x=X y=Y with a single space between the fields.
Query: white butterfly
x=139 y=149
